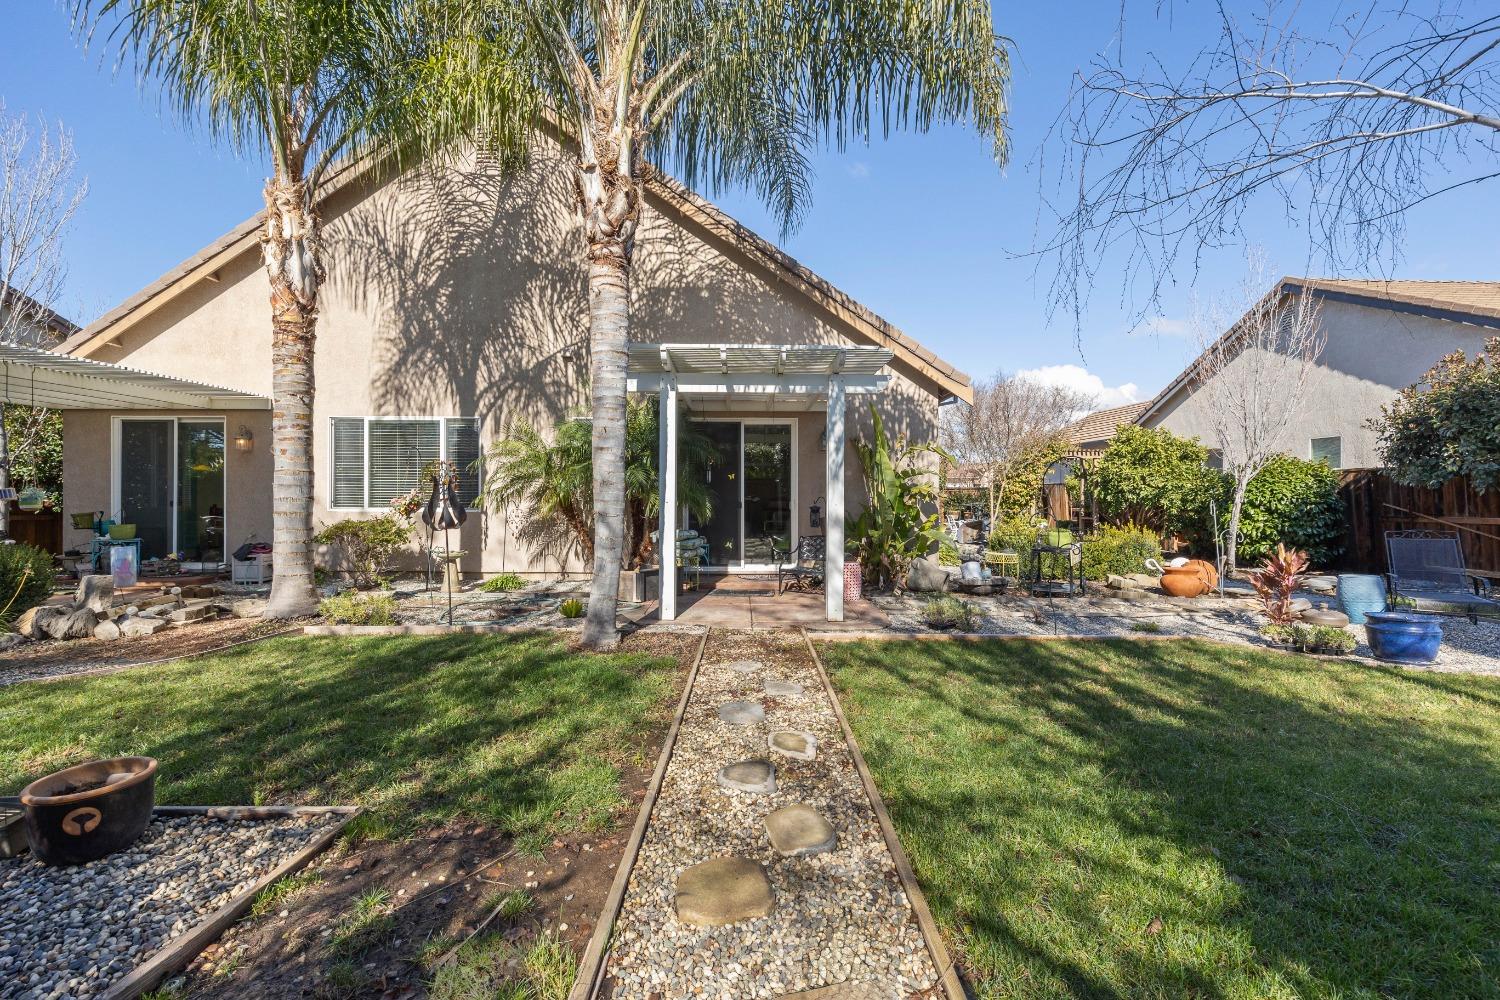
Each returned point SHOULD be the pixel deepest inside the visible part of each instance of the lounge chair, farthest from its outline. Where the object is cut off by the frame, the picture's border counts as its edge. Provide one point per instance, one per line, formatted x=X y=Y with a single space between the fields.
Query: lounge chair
x=1428 y=574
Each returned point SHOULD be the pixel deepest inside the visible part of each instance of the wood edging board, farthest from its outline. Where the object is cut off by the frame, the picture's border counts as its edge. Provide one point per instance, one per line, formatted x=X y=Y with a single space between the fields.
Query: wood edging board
x=185 y=948
x=591 y=966
x=953 y=988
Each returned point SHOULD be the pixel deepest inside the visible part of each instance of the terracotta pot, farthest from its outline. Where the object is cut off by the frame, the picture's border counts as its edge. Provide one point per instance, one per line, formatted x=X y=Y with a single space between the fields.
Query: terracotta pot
x=1184 y=581
x=1205 y=570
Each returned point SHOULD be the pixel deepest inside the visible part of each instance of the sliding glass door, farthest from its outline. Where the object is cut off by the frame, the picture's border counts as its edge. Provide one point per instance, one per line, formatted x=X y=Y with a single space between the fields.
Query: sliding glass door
x=169 y=483
x=752 y=484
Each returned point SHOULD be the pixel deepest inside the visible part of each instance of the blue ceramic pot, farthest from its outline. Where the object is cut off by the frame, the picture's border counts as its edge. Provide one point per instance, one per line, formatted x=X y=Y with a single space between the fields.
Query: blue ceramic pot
x=1360 y=594
x=1400 y=637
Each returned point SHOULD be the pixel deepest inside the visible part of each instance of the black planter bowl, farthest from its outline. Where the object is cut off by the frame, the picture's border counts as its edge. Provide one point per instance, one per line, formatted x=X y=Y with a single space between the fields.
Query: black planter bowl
x=84 y=812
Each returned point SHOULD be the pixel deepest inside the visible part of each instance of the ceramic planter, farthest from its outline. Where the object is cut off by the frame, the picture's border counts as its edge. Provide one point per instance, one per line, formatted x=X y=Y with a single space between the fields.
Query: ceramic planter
x=1183 y=581
x=1360 y=594
x=1400 y=637
x=84 y=812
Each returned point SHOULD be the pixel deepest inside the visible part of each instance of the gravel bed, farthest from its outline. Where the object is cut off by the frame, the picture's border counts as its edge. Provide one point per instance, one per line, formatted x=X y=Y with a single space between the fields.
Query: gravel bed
x=1467 y=648
x=71 y=932
x=839 y=916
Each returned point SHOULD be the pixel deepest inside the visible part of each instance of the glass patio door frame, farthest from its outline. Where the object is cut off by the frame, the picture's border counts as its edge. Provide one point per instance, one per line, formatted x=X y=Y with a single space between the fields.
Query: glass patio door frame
x=175 y=420
x=793 y=522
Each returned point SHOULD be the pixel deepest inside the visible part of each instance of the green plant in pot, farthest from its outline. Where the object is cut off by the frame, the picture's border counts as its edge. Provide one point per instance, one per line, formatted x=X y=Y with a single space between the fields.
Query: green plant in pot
x=900 y=522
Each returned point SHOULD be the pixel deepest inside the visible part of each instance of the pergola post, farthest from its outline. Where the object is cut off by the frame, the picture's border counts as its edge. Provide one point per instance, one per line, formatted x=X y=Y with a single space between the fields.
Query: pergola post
x=666 y=464
x=833 y=494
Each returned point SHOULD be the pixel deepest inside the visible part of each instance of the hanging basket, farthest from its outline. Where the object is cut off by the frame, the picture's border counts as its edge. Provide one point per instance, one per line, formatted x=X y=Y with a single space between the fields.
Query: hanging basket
x=31 y=499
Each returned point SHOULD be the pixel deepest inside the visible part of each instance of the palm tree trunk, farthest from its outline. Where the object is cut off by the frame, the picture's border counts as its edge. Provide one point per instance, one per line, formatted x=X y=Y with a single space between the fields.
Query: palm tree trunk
x=293 y=261
x=609 y=329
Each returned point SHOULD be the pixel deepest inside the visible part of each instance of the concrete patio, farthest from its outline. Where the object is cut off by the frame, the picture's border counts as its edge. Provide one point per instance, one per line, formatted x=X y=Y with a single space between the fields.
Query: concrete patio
x=751 y=601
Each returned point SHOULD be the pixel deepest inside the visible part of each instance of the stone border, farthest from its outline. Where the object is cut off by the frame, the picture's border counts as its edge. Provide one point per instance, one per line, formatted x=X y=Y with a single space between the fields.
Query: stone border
x=186 y=947
x=591 y=966
x=953 y=989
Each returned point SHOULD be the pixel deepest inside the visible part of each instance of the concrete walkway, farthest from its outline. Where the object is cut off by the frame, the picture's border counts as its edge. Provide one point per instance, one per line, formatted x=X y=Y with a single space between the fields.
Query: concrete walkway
x=734 y=601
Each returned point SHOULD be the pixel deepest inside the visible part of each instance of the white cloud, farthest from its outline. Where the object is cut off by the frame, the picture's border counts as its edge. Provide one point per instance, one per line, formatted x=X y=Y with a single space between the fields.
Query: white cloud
x=1082 y=380
x=1165 y=326
x=859 y=169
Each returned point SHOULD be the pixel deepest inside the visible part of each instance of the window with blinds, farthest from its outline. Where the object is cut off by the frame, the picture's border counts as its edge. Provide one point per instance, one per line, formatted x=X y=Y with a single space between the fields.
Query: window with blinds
x=376 y=459
x=1329 y=450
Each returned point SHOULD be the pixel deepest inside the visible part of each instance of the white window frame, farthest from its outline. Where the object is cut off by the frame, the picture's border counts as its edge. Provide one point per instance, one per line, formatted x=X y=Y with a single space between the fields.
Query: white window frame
x=1311 y=457
x=175 y=419
x=795 y=526
x=365 y=459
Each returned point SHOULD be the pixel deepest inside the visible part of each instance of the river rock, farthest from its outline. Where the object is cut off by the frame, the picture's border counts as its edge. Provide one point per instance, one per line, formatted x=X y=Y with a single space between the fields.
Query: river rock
x=723 y=891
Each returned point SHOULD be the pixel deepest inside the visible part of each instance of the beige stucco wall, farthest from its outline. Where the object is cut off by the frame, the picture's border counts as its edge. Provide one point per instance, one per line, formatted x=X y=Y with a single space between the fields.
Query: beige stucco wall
x=1370 y=354
x=457 y=293
x=87 y=470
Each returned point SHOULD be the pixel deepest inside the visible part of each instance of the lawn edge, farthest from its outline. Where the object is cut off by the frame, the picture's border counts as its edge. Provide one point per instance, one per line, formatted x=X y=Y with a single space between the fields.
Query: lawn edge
x=947 y=970
x=186 y=948
x=591 y=966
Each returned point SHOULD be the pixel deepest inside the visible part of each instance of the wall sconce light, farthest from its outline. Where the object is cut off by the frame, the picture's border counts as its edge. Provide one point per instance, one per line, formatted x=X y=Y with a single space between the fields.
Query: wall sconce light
x=244 y=440
x=815 y=513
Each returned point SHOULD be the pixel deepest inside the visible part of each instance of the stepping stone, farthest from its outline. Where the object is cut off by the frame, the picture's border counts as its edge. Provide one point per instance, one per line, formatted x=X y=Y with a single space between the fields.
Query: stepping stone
x=870 y=989
x=783 y=689
x=744 y=666
x=742 y=713
x=758 y=777
x=723 y=891
x=799 y=832
x=793 y=743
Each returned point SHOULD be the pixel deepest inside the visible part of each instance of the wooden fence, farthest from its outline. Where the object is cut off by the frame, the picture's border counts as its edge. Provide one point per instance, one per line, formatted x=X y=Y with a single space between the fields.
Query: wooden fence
x=41 y=528
x=1376 y=504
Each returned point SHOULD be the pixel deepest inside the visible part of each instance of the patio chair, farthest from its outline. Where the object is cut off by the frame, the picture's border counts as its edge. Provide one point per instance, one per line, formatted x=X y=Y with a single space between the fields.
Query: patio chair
x=1427 y=574
x=808 y=564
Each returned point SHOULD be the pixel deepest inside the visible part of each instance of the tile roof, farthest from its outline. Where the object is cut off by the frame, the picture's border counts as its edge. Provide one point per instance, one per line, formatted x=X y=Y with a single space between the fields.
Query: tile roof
x=1102 y=424
x=1479 y=298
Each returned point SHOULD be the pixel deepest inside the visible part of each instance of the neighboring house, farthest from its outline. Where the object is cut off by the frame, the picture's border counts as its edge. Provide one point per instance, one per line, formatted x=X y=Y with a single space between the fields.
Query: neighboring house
x=456 y=308
x=1382 y=336
x=1090 y=435
x=27 y=321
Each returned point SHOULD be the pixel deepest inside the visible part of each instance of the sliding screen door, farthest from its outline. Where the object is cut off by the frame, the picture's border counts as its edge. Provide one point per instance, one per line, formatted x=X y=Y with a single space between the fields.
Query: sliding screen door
x=768 y=490
x=200 y=489
x=146 y=483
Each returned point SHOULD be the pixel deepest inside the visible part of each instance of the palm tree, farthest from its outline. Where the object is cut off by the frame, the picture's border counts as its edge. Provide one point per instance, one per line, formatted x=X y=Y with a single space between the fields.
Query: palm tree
x=302 y=83
x=726 y=92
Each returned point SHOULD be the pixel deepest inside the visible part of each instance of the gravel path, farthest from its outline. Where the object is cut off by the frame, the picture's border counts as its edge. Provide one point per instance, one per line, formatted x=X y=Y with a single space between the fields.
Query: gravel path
x=839 y=917
x=71 y=932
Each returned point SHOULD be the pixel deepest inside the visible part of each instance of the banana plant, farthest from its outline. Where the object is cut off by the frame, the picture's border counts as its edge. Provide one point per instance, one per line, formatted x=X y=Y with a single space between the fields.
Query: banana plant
x=900 y=522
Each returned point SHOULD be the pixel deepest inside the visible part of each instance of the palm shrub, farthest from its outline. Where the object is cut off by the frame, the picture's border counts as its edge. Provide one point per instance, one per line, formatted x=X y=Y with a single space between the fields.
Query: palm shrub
x=900 y=522
x=1294 y=501
x=551 y=483
x=367 y=545
x=25 y=580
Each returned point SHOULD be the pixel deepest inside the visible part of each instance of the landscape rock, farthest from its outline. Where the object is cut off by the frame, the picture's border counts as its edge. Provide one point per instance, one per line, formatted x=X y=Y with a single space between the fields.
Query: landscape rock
x=742 y=713
x=160 y=600
x=139 y=625
x=191 y=612
x=793 y=743
x=1321 y=584
x=107 y=630
x=96 y=592
x=246 y=607
x=798 y=832
x=27 y=619
x=723 y=891
x=927 y=575
x=68 y=624
x=783 y=689
x=755 y=777
x=10 y=640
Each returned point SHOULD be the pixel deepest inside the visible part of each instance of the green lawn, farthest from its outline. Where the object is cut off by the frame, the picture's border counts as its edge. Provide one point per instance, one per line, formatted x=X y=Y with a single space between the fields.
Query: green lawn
x=1163 y=819
x=515 y=731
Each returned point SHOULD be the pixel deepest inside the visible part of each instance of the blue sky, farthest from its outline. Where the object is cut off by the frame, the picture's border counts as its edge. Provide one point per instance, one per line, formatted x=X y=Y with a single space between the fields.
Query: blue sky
x=924 y=229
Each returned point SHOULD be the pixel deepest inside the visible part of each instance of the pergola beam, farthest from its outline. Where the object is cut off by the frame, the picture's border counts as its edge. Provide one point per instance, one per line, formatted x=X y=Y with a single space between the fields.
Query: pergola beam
x=667 y=464
x=833 y=548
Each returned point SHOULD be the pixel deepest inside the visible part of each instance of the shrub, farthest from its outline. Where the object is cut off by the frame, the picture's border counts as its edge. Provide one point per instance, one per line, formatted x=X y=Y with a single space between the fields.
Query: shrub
x=1018 y=535
x=350 y=608
x=367 y=545
x=1294 y=501
x=1157 y=480
x=895 y=527
x=26 y=577
x=1445 y=426
x=571 y=608
x=1119 y=551
x=948 y=552
x=946 y=611
x=1320 y=638
x=503 y=583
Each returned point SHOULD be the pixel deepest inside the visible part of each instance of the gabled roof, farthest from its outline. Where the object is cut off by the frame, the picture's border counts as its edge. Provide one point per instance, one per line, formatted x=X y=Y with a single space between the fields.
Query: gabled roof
x=670 y=194
x=1473 y=302
x=46 y=319
x=1102 y=424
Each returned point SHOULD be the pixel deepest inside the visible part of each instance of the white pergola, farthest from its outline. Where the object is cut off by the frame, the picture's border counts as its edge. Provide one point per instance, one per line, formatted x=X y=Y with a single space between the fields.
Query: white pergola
x=731 y=376
x=32 y=376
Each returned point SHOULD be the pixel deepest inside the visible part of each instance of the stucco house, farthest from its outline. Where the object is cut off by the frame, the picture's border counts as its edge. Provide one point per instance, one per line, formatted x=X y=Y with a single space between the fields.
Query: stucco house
x=1380 y=337
x=456 y=308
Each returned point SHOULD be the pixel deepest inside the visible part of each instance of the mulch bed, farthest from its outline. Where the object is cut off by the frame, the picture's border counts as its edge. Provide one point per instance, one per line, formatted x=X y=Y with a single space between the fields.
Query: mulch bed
x=55 y=658
x=438 y=882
